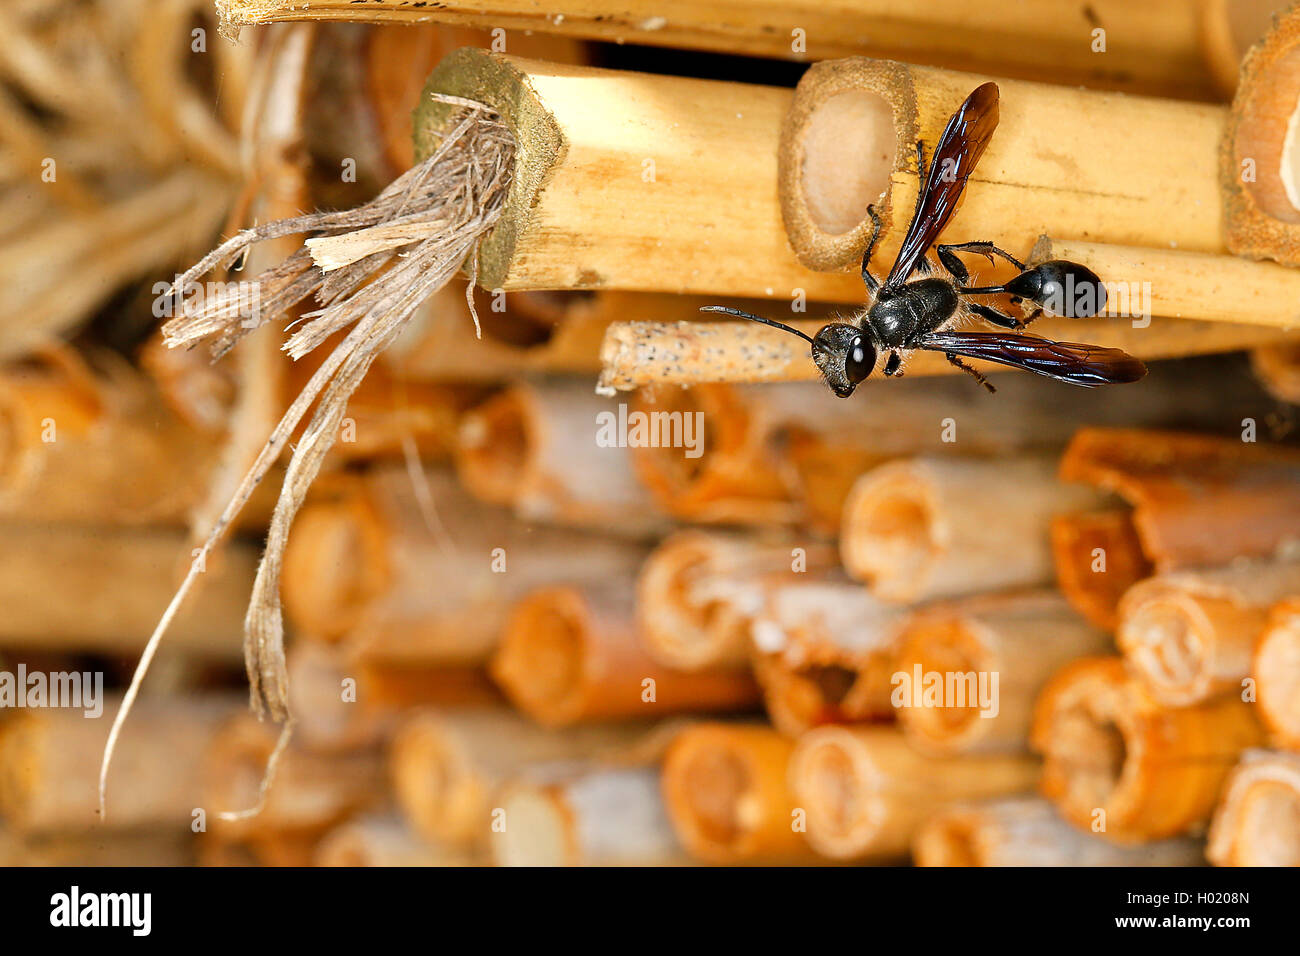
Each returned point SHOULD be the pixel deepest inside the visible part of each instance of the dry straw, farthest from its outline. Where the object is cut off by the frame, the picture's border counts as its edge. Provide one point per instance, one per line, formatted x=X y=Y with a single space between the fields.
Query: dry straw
x=368 y=269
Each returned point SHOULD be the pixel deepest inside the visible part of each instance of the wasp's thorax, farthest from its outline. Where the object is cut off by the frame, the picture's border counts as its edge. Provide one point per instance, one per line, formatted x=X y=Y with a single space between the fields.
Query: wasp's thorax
x=845 y=355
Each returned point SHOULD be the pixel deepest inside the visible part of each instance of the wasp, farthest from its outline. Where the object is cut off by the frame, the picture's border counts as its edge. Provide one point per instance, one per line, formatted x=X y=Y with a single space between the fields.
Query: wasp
x=907 y=313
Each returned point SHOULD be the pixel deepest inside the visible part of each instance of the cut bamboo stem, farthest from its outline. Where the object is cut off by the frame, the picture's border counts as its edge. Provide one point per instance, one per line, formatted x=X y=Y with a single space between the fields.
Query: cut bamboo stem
x=382 y=841
x=346 y=698
x=1118 y=763
x=866 y=792
x=1195 y=500
x=417 y=583
x=919 y=528
x=570 y=655
x=616 y=173
x=823 y=652
x=1258 y=819
x=1258 y=176
x=636 y=354
x=1026 y=831
x=61 y=587
x=447 y=767
x=1225 y=292
x=389 y=414
x=551 y=450
x=1010 y=644
x=49 y=765
x=696 y=594
x=310 y=793
x=1168 y=47
x=1135 y=172
x=1277 y=674
x=728 y=796
x=604 y=817
x=1190 y=635
x=75 y=446
x=1277 y=367
x=1098 y=557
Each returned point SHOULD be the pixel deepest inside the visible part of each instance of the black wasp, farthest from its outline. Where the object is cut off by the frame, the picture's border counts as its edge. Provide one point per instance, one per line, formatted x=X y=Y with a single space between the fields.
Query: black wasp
x=920 y=314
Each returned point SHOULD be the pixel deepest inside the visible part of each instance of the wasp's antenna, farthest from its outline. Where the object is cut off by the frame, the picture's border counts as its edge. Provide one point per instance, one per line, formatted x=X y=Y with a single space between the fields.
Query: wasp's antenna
x=755 y=318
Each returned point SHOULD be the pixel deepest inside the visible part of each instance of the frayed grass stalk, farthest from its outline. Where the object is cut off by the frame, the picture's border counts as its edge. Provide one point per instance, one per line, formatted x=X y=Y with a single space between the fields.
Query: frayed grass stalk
x=413 y=238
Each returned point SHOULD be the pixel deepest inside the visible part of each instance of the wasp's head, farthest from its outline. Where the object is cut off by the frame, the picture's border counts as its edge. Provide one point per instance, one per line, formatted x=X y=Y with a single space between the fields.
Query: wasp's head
x=845 y=355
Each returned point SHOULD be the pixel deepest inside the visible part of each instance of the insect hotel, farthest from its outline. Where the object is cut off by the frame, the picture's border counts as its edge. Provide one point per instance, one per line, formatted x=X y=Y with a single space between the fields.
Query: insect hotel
x=649 y=434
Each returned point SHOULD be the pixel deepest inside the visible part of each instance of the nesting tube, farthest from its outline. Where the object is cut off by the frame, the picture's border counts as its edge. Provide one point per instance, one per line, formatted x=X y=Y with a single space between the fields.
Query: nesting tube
x=727 y=792
x=570 y=655
x=616 y=173
x=1258 y=819
x=1009 y=645
x=1118 y=763
x=1190 y=635
x=923 y=528
x=1026 y=831
x=1124 y=170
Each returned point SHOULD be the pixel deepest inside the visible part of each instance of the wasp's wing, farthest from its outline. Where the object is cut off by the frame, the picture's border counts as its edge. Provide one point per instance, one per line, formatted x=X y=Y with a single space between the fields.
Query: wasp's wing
x=1078 y=364
x=960 y=147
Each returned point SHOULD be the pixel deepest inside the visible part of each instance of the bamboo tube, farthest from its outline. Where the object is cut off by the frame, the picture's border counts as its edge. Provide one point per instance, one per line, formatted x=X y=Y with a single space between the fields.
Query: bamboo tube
x=617 y=173
x=570 y=655
x=604 y=817
x=1223 y=292
x=1277 y=367
x=789 y=453
x=550 y=449
x=1098 y=557
x=382 y=841
x=1026 y=831
x=1277 y=673
x=637 y=354
x=726 y=790
x=388 y=411
x=346 y=699
x=364 y=566
x=1258 y=819
x=1163 y=47
x=696 y=593
x=311 y=793
x=866 y=792
x=1123 y=170
x=823 y=652
x=62 y=588
x=1195 y=500
x=447 y=767
x=1117 y=762
x=49 y=763
x=1018 y=640
x=1188 y=636
x=923 y=528
x=94 y=449
x=1258 y=176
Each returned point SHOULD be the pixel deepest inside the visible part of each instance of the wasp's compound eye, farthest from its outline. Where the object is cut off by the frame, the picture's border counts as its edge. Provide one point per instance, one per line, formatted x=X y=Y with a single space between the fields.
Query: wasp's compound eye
x=859 y=361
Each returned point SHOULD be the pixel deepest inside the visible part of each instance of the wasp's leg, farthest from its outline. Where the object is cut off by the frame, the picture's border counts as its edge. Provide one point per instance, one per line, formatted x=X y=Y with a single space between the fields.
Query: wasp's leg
x=987 y=249
x=872 y=283
x=979 y=376
x=996 y=317
x=894 y=365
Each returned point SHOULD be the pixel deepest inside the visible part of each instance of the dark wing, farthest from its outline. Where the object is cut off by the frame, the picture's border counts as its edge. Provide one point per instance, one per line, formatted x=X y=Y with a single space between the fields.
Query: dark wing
x=960 y=147
x=1078 y=364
